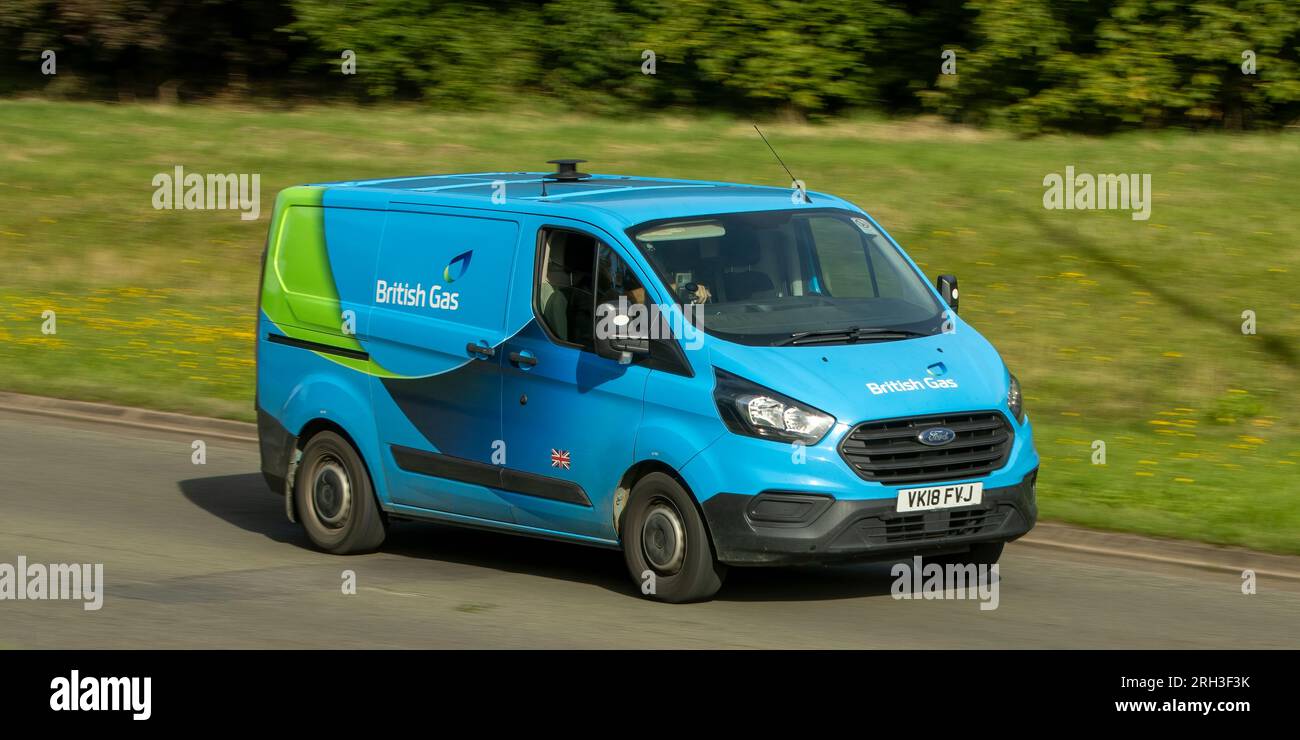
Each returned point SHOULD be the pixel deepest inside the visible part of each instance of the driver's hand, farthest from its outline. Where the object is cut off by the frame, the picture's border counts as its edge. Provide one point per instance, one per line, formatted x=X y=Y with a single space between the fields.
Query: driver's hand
x=702 y=294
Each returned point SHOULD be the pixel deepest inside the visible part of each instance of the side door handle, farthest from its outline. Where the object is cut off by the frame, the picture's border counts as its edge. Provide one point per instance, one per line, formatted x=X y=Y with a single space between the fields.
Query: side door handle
x=523 y=359
x=482 y=351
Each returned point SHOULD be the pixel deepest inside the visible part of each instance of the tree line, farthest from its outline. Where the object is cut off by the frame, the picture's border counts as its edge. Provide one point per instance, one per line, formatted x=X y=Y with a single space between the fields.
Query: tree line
x=1028 y=65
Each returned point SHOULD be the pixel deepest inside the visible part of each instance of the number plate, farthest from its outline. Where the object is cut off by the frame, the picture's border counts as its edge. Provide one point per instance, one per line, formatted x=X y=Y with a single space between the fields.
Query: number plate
x=940 y=497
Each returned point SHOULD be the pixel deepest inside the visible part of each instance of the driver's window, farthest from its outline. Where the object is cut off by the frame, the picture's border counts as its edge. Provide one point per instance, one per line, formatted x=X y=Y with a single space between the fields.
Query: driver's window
x=615 y=280
x=578 y=273
x=565 y=288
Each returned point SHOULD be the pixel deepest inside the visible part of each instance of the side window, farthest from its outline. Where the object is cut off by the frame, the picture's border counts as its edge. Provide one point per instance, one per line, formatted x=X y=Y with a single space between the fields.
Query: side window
x=615 y=280
x=565 y=290
x=579 y=273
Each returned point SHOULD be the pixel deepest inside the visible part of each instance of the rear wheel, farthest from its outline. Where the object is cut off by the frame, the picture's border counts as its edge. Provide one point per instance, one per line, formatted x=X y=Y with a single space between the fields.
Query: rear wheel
x=666 y=546
x=335 y=499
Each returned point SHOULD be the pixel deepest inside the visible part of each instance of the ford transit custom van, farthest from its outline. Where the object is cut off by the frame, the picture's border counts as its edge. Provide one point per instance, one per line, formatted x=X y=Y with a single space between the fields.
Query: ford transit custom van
x=700 y=374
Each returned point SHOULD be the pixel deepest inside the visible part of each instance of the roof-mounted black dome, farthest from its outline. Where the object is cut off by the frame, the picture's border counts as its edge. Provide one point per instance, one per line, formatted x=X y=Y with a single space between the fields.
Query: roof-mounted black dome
x=566 y=170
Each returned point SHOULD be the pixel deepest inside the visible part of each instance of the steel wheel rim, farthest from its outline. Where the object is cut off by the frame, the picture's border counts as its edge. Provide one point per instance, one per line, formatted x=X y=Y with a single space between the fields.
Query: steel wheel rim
x=331 y=493
x=663 y=537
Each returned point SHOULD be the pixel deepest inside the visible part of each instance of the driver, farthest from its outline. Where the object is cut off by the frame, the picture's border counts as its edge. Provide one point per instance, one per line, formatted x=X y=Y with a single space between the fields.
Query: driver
x=695 y=293
x=698 y=293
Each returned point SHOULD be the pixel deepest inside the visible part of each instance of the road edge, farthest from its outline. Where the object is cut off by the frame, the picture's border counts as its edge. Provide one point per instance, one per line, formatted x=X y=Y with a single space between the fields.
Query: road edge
x=1047 y=534
x=166 y=421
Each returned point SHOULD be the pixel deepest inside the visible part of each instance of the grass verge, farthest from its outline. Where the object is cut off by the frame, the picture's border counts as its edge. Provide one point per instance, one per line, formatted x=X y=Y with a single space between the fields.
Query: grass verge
x=1123 y=332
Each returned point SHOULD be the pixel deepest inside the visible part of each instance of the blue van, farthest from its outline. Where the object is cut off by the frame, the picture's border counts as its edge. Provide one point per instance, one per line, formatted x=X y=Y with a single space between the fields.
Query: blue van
x=701 y=374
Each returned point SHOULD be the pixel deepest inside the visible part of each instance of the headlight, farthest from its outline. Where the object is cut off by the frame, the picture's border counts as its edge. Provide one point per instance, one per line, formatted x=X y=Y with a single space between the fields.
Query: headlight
x=1015 y=400
x=750 y=409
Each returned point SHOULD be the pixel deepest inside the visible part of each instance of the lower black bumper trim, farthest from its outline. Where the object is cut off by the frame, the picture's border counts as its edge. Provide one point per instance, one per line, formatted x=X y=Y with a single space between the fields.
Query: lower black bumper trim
x=866 y=529
x=275 y=444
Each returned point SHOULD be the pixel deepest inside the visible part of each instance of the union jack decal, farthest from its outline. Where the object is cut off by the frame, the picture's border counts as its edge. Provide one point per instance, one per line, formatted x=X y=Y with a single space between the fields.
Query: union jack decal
x=560 y=459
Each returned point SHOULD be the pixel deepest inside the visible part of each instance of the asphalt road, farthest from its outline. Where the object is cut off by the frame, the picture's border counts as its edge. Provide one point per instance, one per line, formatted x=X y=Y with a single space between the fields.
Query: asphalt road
x=202 y=556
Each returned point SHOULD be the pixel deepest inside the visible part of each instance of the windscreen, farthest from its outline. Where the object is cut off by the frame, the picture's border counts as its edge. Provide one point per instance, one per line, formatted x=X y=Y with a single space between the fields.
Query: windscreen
x=768 y=277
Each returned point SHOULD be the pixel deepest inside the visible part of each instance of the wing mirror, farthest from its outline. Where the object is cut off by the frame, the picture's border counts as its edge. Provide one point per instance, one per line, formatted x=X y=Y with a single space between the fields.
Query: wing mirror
x=618 y=336
x=947 y=285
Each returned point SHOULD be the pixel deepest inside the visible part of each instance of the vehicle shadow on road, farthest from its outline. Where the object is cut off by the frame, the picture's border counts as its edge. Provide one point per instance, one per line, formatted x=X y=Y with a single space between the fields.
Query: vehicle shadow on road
x=244 y=502
x=807 y=583
x=605 y=568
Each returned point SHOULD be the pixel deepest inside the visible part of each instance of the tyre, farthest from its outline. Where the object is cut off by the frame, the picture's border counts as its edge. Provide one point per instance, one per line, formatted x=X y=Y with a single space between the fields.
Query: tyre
x=984 y=553
x=335 y=499
x=667 y=548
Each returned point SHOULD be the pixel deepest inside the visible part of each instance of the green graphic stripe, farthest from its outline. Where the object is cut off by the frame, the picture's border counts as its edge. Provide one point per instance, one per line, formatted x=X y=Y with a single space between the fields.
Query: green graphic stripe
x=298 y=292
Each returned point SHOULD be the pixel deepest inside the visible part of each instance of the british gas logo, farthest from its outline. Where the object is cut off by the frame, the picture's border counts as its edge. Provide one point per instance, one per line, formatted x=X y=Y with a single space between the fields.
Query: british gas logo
x=457 y=267
x=416 y=295
x=911 y=384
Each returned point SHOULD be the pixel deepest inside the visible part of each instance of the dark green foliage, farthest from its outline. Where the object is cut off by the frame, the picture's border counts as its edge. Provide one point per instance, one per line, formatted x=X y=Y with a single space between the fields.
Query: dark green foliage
x=1099 y=66
x=1032 y=65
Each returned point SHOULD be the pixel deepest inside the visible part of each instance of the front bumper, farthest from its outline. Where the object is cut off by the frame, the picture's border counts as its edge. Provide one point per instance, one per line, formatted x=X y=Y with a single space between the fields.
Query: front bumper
x=789 y=527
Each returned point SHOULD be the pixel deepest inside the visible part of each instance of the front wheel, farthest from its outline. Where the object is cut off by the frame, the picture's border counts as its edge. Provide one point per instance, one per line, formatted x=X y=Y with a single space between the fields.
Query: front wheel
x=666 y=545
x=334 y=497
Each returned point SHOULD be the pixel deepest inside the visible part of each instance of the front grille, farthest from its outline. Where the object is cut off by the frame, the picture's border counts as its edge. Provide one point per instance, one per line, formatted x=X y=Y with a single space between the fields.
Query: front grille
x=931 y=525
x=888 y=451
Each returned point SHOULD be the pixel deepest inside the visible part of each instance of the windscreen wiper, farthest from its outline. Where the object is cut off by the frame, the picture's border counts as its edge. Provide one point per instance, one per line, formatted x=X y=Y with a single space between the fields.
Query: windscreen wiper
x=847 y=336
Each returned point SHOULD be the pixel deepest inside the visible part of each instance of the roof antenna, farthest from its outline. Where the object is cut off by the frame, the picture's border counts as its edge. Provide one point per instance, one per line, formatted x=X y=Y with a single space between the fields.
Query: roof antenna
x=566 y=170
x=793 y=180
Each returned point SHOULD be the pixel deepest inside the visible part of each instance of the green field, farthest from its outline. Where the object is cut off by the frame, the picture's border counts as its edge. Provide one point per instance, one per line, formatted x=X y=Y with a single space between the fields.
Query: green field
x=1123 y=331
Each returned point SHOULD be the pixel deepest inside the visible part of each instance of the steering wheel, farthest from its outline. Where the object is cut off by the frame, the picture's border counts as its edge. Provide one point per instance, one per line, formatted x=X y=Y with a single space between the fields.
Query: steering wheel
x=693 y=291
